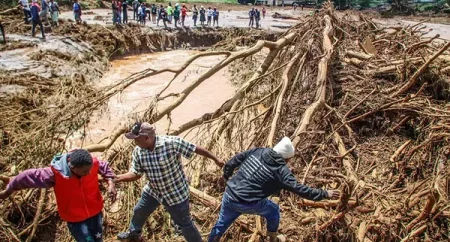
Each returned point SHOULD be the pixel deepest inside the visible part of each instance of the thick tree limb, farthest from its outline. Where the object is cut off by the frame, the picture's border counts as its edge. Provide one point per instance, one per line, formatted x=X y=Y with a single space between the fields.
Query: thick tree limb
x=321 y=82
x=279 y=101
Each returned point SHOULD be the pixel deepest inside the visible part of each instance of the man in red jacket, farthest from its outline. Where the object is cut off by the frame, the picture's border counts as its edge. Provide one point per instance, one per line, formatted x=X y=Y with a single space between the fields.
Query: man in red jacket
x=74 y=177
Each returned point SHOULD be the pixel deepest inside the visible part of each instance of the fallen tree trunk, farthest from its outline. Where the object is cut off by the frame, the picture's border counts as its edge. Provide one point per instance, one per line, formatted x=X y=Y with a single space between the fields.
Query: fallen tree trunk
x=321 y=82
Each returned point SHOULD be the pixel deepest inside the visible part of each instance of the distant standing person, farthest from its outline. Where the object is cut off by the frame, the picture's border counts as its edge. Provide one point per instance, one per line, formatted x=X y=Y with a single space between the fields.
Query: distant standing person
x=169 y=13
x=26 y=10
x=302 y=6
x=202 y=16
x=263 y=12
x=114 y=12
x=119 y=11
x=2 y=29
x=154 y=10
x=176 y=16
x=183 y=14
x=135 y=5
x=77 y=11
x=295 y=5
x=143 y=16
x=216 y=17
x=124 y=11
x=36 y=19
x=209 y=14
x=195 y=15
x=54 y=12
x=251 y=16
x=257 y=17
x=162 y=15
x=44 y=12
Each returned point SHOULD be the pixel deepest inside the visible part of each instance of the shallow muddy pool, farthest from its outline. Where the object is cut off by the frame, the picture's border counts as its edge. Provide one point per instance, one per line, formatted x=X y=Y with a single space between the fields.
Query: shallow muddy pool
x=135 y=99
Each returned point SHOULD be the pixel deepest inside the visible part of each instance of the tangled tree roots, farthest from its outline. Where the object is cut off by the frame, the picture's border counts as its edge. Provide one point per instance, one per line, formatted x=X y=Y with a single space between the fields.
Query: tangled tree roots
x=366 y=107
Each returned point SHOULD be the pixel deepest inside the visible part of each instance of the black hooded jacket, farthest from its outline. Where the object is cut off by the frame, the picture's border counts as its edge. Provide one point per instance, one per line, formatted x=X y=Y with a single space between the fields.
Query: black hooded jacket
x=262 y=172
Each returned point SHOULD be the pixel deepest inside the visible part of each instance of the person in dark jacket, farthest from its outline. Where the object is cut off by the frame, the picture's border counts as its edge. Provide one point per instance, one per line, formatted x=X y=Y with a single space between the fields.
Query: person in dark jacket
x=257 y=17
x=74 y=179
x=35 y=18
x=124 y=11
x=2 y=29
x=262 y=172
x=251 y=16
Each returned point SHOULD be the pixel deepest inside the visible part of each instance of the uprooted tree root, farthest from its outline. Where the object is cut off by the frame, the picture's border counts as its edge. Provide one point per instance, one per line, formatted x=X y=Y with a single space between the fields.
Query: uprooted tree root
x=370 y=119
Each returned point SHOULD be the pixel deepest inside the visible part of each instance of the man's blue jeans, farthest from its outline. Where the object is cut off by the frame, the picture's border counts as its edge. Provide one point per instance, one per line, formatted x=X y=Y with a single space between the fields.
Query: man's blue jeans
x=89 y=230
x=230 y=210
x=180 y=214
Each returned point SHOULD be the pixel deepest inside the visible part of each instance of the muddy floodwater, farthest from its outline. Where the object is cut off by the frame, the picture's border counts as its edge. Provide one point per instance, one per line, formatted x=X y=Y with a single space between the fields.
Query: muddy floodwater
x=135 y=99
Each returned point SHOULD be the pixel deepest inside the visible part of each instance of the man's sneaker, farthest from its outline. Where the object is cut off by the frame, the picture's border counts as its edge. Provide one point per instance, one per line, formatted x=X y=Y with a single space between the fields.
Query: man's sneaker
x=130 y=236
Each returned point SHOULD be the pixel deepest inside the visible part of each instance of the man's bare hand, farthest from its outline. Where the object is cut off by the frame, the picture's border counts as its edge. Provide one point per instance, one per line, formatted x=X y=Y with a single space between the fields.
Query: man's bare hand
x=5 y=179
x=333 y=194
x=112 y=192
x=219 y=163
x=4 y=195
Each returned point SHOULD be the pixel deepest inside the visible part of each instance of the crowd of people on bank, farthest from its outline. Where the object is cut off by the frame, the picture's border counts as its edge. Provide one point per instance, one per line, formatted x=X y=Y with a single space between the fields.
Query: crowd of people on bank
x=168 y=14
x=176 y=15
x=38 y=14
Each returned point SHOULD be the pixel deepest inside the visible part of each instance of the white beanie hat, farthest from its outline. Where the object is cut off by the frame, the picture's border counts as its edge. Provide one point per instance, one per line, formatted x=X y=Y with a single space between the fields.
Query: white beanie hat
x=285 y=148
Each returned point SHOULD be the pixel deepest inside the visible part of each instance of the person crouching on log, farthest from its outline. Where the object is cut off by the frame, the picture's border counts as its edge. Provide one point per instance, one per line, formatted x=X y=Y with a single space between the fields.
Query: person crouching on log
x=262 y=172
x=74 y=177
x=159 y=159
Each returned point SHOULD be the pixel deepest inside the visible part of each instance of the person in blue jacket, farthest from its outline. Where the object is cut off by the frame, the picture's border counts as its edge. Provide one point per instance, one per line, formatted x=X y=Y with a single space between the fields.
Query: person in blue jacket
x=262 y=172
x=35 y=18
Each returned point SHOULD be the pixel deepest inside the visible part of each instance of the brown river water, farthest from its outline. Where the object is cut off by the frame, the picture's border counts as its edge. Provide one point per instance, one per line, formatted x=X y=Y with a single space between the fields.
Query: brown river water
x=135 y=99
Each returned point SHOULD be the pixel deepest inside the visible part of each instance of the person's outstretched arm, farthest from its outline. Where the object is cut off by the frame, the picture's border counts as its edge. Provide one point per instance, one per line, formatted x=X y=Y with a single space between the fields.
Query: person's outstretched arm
x=187 y=149
x=31 y=178
x=290 y=183
x=106 y=172
x=206 y=153
x=135 y=172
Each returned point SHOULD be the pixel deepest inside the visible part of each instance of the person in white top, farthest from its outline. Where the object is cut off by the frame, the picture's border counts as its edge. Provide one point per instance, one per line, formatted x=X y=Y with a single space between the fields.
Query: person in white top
x=139 y=12
x=209 y=14
x=26 y=10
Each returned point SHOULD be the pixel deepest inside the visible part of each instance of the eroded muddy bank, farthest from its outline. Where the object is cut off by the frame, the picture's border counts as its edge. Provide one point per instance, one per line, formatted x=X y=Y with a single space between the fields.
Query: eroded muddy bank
x=71 y=58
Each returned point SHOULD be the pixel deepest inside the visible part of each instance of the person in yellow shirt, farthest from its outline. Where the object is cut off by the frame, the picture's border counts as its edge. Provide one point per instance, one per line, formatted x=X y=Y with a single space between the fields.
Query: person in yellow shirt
x=170 y=12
